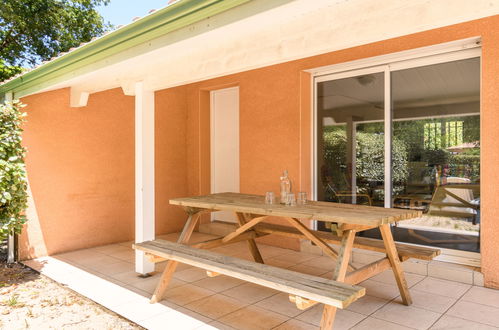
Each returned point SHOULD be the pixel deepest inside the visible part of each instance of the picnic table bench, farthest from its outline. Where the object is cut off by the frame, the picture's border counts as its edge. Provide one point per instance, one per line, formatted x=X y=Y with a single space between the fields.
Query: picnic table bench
x=305 y=290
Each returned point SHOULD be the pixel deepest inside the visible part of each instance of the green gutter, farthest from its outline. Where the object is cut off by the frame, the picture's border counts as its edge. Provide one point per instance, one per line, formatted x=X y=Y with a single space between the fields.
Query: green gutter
x=171 y=18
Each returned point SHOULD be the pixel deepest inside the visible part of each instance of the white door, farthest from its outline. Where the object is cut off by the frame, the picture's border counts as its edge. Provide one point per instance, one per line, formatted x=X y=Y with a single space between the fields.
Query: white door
x=224 y=145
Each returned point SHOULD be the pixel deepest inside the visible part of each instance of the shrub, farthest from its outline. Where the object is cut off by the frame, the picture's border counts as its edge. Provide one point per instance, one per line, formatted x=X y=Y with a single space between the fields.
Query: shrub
x=13 y=182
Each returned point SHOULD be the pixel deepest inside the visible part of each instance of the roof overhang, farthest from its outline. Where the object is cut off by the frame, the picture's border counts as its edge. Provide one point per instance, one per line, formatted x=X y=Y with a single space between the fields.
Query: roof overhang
x=195 y=40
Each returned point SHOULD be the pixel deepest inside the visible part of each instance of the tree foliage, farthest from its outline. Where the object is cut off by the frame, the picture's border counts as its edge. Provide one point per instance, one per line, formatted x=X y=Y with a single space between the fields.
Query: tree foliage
x=13 y=183
x=370 y=157
x=35 y=30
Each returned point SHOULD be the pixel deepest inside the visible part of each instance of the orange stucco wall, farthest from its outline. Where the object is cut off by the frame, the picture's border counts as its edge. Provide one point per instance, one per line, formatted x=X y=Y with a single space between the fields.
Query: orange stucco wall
x=275 y=117
x=80 y=165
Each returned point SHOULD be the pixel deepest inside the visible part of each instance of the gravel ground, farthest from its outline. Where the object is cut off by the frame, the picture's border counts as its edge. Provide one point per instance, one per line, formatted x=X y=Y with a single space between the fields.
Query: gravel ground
x=29 y=300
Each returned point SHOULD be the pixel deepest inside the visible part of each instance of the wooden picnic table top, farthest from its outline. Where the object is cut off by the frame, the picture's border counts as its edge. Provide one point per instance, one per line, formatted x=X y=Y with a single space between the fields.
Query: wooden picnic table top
x=322 y=211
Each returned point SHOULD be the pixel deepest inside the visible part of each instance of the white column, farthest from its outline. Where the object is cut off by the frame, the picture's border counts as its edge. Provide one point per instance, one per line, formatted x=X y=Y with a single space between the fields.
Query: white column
x=10 y=240
x=144 y=173
x=388 y=138
x=352 y=156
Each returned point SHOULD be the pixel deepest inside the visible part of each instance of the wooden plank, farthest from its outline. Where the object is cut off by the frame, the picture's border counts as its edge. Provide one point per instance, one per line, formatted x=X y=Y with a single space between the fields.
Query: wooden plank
x=311 y=236
x=307 y=286
x=302 y=303
x=319 y=242
x=216 y=242
x=251 y=242
x=398 y=271
x=242 y=229
x=369 y=271
x=404 y=250
x=154 y=259
x=212 y=274
x=329 y=311
x=322 y=211
x=171 y=265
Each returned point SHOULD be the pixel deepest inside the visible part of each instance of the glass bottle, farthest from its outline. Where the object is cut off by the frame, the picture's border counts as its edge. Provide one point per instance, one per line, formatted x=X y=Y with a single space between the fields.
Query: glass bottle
x=285 y=186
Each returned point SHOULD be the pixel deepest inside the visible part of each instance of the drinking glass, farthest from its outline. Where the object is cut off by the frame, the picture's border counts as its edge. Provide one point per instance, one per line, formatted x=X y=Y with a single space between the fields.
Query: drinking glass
x=269 y=197
x=302 y=198
x=290 y=199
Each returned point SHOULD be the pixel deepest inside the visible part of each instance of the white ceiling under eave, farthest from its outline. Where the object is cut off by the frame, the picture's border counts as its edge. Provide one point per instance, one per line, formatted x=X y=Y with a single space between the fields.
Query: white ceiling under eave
x=261 y=33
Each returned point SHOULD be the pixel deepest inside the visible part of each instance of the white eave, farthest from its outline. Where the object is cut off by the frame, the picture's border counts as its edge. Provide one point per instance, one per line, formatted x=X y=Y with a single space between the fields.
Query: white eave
x=261 y=33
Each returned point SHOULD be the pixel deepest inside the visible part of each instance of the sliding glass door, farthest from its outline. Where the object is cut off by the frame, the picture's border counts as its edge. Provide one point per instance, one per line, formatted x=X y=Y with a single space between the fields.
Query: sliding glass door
x=423 y=122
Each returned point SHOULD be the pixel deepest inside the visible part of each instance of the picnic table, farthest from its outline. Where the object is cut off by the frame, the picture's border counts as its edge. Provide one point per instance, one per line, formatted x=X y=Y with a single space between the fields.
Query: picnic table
x=304 y=290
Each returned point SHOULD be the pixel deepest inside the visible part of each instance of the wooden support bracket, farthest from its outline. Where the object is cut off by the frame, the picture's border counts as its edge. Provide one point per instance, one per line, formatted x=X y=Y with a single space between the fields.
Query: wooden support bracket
x=302 y=303
x=212 y=274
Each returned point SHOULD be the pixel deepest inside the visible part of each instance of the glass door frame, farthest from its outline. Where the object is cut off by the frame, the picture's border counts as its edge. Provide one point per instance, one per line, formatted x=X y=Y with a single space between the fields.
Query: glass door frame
x=442 y=53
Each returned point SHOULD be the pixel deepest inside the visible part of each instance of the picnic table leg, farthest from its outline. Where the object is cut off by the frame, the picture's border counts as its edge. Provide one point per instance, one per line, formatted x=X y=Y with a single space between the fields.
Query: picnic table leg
x=398 y=271
x=251 y=242
x=339 y=274
x=172 y=265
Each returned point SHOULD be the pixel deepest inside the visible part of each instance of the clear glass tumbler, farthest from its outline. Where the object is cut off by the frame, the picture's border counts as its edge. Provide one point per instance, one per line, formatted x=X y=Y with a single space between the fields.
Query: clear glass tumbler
x=302 y=198
x=290 y=199
x=269 y=197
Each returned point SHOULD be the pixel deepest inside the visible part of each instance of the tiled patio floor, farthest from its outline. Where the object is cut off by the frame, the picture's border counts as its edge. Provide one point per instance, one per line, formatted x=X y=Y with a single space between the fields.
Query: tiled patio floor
x=194 y=301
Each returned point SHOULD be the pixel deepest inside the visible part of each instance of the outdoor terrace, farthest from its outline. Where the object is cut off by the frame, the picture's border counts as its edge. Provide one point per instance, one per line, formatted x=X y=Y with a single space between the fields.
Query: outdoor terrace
x=106 y=275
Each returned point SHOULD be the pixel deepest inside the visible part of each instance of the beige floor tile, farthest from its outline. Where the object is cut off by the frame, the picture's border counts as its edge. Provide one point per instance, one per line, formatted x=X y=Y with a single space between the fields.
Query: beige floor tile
x=191 y=274
x=408 y=316
x=173 y=237
x=252 y=317
x=218 y=283
x=475 y=312
x=276 y=262
x=326 y=263
x=372 y=323
x=246 y=255
x=295 y=325
x=388 y=278
x=483 y=296
x=127 y=277
x=149 y=284
x=216 y=325
x=112 y=249
x=367 y=305
x=98 y=261
x=344 y=319
x=115 y=268
x=452 y=272
x=185 y=294
x=215 y=306
x=296 y=257
x=301 y=268
x=250 y=293
x=442 y=287
x=80 y=255
x=231 y=249
x=416 y=266
x=380 y=289
x=175 y=319
x=280 y=303
x=127 y=244
x=447 y=322
x=429 y=301
x=201 y=237
x=268 y=251
x=128 y=256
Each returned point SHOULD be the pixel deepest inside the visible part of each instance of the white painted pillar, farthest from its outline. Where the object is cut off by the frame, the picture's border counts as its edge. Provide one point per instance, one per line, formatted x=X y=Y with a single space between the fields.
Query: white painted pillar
x=144 y=173
x=10 y=240
x=388 y=138
x=352 y=156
